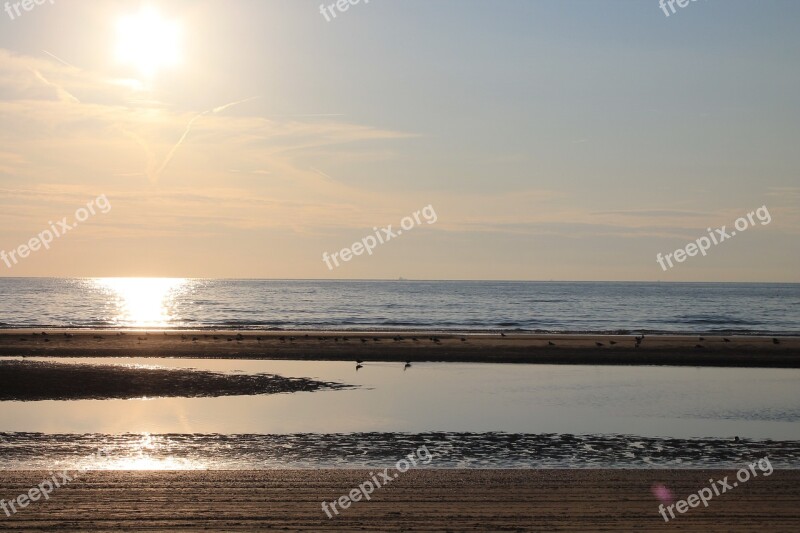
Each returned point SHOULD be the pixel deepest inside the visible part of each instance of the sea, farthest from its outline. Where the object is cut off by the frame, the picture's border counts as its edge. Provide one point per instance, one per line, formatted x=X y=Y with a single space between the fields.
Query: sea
x=557 y=307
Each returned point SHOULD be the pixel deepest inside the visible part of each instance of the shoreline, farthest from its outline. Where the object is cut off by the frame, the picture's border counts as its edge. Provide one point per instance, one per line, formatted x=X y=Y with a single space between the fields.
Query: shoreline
x=395 y=346
x=418 y=500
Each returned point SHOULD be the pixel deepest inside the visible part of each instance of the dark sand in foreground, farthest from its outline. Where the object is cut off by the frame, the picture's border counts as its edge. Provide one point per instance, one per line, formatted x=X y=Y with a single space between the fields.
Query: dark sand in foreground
x=739 y=351
x=431 y=500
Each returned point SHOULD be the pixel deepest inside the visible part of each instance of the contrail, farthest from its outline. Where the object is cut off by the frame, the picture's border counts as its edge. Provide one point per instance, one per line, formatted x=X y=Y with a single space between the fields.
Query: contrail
x=322 y=173
x=58 y=59
x=189 y=128
x=63 y=94
x=226 y=106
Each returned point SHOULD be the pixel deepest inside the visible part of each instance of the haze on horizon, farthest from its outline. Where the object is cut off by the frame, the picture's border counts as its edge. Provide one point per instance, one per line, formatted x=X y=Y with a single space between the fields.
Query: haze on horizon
x=563 y=140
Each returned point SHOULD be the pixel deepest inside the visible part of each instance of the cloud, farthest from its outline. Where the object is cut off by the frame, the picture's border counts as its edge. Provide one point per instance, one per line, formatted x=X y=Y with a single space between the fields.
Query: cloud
x=656 y=213
x=91 y=130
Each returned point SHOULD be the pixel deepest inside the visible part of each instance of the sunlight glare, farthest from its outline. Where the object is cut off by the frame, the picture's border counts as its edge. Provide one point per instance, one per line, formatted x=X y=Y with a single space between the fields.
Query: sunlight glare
x=148 y=42
x=143 y=302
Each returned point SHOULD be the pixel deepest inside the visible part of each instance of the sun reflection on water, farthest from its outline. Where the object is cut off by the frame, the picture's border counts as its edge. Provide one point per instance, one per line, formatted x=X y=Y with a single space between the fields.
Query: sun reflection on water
x=143 y=302
x=148 y=453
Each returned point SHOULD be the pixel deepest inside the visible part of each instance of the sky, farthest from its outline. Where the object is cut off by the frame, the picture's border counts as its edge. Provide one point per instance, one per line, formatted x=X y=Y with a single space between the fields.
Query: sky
x=554 y=140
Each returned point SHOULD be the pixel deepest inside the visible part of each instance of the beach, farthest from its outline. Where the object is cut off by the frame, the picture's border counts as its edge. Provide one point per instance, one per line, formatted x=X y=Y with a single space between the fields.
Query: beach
x=415 y=346
x=419 y=500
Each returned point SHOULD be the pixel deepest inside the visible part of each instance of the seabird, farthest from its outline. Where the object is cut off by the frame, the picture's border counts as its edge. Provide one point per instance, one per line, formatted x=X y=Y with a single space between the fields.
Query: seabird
x=551 y=343
x=599 y=344
x=725 y=340
x=775 y=341
x=359 y=366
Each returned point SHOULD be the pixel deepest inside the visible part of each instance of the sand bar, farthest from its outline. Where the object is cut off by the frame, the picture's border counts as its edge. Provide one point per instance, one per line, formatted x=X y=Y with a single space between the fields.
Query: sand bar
x=737 y=351
x=25 y=380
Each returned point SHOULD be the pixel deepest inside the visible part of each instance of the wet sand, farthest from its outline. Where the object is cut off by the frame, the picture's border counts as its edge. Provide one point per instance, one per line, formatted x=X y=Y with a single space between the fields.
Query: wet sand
x=37 y=381
x=737 y=351
x=430 y=500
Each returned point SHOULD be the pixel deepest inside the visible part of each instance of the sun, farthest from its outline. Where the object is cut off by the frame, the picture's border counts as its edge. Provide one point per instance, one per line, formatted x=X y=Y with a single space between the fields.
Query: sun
x=148 y=42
